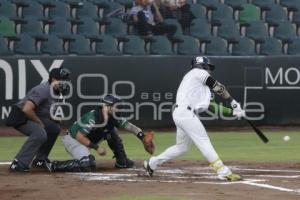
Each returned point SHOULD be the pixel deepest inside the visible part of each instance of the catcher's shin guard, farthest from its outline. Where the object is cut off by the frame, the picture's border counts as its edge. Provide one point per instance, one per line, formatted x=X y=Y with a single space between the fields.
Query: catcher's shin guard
x=116 y=145
x=87 y=163
x=66 y=166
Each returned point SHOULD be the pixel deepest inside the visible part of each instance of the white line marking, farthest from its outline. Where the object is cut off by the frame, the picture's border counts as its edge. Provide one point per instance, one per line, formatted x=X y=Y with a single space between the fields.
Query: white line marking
x=5 y=163
x=262 y=185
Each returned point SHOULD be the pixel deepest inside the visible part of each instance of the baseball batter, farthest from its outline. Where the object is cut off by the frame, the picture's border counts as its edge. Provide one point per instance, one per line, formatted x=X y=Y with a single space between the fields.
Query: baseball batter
x=193 y=97
x=92 y=128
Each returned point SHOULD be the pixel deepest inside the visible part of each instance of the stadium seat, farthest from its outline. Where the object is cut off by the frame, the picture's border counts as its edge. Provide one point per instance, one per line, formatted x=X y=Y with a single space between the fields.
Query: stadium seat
x=7 y=27
x=217 y=46
x=221 y=12
x=275 y=14
x=291 y=5
x=244 y=47
x=263 y=4
x=188 y=46
x=296 y=18
x=200 y=29
x=179 y=31
x=248 y=13
x=87 y=9
x=126 y=3
x=235 y=4
x=53 y=46
x=229 y=30
x=198 y=11
x=25 y=45
x=60 y=26
x=80 y=45
x=87 y=27
x=271 y=46
x=4 y=50
x=101 y=3
x=115 y=27
x=285 y=31
x=107 y=46
x=8 y=9
x=33 y=9
x=294 y=47
x=112 y=9
x=160 y=45
x=134 y=45
x=208 y=3
x=59 y=9
x=32 y=27
x=256 y=30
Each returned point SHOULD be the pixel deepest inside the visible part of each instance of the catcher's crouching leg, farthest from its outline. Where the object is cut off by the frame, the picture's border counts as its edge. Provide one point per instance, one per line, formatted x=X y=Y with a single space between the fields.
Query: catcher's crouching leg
x=116 y=145
x=85 y=164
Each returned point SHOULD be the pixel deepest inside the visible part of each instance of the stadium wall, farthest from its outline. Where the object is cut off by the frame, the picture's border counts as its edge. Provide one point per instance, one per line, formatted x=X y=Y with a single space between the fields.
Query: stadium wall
x=268 y=86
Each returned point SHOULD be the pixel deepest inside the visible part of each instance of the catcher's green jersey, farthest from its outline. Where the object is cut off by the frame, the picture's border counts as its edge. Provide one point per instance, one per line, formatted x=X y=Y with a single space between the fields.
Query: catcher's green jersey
x=87 y=123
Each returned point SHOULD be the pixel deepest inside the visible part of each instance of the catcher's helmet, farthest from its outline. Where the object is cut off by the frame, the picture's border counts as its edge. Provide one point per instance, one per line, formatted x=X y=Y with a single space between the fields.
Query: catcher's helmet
x=202 y=62
x=110 y=99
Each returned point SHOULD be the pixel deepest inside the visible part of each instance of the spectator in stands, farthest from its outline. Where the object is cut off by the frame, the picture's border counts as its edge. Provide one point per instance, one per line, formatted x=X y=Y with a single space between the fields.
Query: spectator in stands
x=178 y=9
x=148 y=19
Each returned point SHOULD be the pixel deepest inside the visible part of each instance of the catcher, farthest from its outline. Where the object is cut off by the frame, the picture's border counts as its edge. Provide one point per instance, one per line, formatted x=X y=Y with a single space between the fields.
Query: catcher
x=92 y=128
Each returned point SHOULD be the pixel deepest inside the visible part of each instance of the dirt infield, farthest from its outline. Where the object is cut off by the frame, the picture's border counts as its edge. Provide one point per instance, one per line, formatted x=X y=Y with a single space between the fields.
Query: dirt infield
x=191 y=180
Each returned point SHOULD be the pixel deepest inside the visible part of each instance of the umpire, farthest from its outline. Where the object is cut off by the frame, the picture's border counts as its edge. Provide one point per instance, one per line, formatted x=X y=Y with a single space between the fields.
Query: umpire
x=31 y=116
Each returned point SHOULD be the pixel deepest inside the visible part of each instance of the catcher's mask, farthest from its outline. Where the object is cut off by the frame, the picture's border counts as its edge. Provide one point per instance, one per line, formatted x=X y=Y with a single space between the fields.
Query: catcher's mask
x=202 y=62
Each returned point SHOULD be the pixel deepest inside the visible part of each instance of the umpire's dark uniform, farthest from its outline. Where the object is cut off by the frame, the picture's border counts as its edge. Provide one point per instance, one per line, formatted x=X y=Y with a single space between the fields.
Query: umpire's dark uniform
x=40 y=139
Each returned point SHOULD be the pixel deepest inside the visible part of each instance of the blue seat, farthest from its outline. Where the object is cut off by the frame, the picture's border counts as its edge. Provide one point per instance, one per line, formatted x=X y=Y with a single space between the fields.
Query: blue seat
x=222 y=12
x=80 y=46
x=188 y=46
x=160 y=45
x=88 y=27
x=4 y=50
x=107 y=46
x=59 y=9
x=243 y=47
x=8 y=9
x=229 y=30
x=200 y=29
x=285 y=31
x=271 y=46
x=275 y=14
x=87 y=9
x=134 y=45
x=217 y=46
x=53 y=46
x=294 y=47
x=32 y=27
x=25 y=45
x=257 y=30
x=60 y=26
x=33 y=9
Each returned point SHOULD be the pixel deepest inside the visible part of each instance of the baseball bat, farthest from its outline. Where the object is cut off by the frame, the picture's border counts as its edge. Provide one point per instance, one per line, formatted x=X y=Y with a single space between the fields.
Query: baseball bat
x=258 y=132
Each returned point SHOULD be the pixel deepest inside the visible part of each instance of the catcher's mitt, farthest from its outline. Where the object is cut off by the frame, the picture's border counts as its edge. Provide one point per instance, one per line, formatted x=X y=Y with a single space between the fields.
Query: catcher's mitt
x=148 y=142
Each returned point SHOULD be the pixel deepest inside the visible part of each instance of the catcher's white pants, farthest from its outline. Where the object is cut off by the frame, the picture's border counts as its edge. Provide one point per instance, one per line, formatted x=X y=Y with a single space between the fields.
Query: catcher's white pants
x=74 y=148
x=189 y=129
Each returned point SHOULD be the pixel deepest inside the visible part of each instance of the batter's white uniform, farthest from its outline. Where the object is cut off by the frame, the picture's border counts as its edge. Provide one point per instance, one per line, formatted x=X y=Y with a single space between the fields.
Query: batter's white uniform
x=193 y=94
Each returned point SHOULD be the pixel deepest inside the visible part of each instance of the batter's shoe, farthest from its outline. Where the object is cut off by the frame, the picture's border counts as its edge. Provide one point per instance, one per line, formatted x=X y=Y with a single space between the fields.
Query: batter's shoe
x=16 y=166
x=148 y=169
x=231 y=177
x=40 y=163
x=122 y=165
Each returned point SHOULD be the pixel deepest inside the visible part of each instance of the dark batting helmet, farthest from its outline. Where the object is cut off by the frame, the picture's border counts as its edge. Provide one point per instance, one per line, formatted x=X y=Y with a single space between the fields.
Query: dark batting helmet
x=110 y=100
x=202 y=62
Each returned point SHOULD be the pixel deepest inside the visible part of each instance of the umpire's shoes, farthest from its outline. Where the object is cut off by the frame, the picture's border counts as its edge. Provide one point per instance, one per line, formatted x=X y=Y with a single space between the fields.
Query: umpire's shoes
x=16 y=166
x=148 y=169
x=124 y=164
x=40 y=163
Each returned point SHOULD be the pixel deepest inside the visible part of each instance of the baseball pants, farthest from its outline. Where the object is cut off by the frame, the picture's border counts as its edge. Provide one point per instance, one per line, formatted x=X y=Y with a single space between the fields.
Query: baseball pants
x=74 y=148
x=189 y=130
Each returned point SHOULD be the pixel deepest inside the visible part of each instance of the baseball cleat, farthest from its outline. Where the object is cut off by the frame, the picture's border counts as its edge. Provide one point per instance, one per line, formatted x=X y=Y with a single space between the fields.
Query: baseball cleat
x=148 y=169
x=16 y=166
x=40 y=163
x=231 y=177
x=122 y=165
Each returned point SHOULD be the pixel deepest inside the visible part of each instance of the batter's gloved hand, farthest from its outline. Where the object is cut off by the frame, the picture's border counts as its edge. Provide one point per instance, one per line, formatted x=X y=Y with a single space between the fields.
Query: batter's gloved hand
x=237 y=110
x=148 y=142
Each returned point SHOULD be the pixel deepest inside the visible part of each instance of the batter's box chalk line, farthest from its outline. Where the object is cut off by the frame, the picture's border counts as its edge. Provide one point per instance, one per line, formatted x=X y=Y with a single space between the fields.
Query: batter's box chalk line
x=193 y=174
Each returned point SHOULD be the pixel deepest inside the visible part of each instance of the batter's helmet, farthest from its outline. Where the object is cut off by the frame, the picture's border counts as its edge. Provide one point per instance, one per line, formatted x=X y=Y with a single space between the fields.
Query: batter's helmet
x=110 y=99
x=202 y=62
